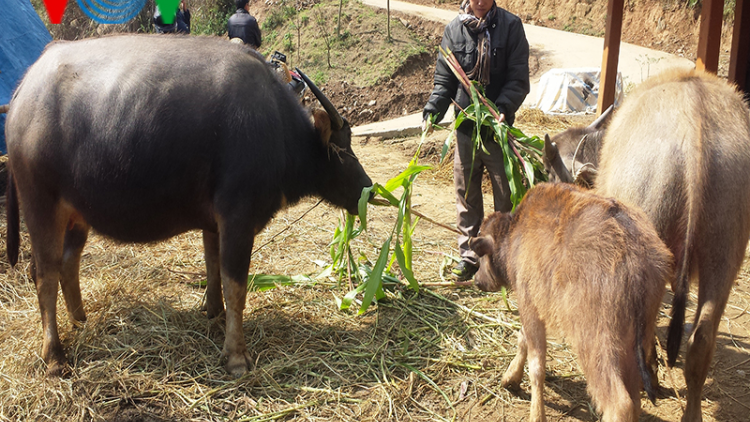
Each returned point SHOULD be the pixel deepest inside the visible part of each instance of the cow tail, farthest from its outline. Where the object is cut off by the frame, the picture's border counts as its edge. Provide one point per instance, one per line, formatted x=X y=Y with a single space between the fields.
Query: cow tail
x=694 y=182
x=674 y=336
x=13 y=221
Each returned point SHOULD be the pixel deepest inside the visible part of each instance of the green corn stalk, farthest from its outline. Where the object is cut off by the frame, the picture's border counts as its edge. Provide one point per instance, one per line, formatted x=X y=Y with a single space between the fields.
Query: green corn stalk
x=521 y=153
x=370 y=281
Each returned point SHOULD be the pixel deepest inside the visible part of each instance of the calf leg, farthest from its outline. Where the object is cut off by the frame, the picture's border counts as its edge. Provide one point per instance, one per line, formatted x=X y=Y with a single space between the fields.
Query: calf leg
x=214 y=300
x=536 y=339
x=236 y=247
x=514 y=373
x=75 y=239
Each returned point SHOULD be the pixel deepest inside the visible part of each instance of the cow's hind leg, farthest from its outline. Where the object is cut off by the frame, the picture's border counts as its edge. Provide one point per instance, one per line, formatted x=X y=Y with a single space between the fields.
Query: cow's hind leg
x=514 y=374
x=75 y=239
x=236 y=247
x=214 y=300
x=712 y=298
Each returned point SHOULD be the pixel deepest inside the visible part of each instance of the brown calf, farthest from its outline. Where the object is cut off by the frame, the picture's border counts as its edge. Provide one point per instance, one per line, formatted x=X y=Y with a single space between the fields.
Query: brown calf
x=594 y=270
x=679 y=148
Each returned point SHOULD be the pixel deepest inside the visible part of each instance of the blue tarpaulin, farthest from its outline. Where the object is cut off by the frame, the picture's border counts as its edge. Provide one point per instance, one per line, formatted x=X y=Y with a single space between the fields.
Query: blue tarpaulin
x=23 y=36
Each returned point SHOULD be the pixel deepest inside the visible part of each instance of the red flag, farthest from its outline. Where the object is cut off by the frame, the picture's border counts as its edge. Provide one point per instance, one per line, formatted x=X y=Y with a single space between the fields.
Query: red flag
x=55 y=9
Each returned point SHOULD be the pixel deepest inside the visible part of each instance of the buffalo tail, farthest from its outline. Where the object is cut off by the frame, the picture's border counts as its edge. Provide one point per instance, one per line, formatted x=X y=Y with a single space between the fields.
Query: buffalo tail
x=640 y=356
x=694 y=187
x=13 y=222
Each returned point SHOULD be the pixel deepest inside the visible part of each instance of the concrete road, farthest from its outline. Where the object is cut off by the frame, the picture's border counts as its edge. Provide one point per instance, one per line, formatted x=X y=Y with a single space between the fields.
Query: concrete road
x=555 y=49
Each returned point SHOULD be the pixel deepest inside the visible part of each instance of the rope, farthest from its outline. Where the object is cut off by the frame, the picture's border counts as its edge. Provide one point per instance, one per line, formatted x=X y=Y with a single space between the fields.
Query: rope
x=576 y=174
x=286 y=228
x=418 y=214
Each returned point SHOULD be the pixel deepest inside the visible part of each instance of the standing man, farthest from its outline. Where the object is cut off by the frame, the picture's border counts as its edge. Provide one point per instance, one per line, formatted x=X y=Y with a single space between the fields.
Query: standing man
x=243 y=25
x=491 y=46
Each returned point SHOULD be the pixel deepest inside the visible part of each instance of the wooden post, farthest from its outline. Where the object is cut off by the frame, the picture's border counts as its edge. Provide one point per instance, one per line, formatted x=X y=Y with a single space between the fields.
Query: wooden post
x=709 y=40
x=740 y=52
x=608 y=78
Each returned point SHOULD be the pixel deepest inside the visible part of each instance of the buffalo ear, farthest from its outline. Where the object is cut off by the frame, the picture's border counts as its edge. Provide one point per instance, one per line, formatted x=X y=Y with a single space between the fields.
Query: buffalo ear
x=322 y=123
x=482 y=245
x=554 y=163
x=550 y=149
x=586 y=177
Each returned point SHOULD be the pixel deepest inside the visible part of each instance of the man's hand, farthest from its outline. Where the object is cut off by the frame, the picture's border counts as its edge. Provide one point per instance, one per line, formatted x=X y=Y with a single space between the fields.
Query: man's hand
x=502 y=118
x=427 y=125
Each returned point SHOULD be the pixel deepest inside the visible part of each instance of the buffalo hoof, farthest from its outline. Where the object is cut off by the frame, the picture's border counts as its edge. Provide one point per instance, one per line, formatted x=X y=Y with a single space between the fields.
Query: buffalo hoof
x=237 y=364
x=213 y=313
x=694 y=416
x=510 y=383
x=57 y=369
x=686 y=418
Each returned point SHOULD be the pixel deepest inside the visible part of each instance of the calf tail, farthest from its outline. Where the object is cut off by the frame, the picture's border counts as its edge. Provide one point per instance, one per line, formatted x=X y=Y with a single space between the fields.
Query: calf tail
x=13 y=222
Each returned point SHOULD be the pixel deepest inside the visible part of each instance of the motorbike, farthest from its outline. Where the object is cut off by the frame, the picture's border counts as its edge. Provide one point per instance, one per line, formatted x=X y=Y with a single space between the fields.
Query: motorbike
x=292 y=78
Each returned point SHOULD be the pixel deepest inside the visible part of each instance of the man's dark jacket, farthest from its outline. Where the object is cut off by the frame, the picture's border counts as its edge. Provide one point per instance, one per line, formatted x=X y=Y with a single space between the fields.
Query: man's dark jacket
x=509 y=66
x=244 y=26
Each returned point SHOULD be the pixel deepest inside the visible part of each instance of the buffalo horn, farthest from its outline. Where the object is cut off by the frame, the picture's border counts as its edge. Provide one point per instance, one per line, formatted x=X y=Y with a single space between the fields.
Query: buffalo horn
x=596 y=124
x=337 y=122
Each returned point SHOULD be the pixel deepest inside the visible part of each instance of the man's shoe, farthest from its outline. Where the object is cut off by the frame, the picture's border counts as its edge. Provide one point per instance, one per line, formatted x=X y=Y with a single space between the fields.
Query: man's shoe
x=464 y=270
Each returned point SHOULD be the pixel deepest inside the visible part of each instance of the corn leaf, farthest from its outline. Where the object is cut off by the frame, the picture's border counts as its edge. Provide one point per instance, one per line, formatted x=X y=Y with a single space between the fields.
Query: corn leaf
x=263 y=282
x=408 y=274
x=399 y=180
x=374 y=282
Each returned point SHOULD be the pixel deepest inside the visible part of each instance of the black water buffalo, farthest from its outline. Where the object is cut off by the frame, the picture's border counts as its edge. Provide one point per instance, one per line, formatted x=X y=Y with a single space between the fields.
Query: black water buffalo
x=145 y=137
x=679 y=148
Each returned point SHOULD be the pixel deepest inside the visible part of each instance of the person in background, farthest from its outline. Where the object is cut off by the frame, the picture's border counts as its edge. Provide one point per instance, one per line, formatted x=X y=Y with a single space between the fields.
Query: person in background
x=181 y=23
x=491 y=46
x=243 y=25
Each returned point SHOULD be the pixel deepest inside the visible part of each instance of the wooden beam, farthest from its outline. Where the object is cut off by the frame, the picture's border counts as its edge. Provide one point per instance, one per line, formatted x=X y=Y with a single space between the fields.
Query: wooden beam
x=709 y=40
x=610 y=58
x=740 y=53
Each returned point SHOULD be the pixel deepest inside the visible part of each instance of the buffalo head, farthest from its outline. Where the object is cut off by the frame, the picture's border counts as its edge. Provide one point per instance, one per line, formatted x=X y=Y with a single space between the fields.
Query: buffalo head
x=343 y=178
x=572 y=156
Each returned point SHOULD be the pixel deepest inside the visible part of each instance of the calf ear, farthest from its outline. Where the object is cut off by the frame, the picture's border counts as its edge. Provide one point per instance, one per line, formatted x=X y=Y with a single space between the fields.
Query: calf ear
x=322 y=123
x=482 y=245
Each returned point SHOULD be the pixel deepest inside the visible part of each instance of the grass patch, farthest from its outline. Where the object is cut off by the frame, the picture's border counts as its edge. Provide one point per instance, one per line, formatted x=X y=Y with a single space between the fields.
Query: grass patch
x=358 y=54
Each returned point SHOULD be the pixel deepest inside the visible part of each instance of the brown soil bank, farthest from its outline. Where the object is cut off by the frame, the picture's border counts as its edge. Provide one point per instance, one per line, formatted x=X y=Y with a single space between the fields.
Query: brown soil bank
x=667 y=25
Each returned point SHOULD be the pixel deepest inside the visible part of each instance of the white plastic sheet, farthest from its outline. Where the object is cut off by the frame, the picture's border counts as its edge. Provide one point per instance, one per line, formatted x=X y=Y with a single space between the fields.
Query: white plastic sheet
x=572 y=91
